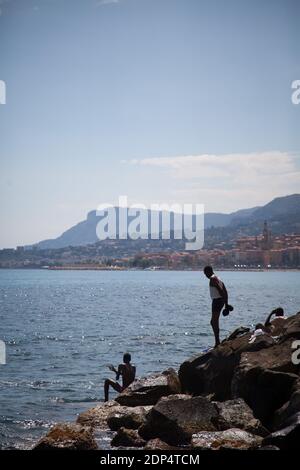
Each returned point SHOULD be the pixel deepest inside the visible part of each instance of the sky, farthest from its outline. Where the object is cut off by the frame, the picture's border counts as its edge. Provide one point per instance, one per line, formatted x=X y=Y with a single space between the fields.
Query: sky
x=164 y=101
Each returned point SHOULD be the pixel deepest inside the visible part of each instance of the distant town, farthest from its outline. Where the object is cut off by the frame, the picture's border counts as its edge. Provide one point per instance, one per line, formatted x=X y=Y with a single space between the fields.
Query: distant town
x=264 y=251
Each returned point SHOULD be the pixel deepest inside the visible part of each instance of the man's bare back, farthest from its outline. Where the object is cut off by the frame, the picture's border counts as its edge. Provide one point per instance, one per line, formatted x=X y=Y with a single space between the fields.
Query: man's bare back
x=127 y=371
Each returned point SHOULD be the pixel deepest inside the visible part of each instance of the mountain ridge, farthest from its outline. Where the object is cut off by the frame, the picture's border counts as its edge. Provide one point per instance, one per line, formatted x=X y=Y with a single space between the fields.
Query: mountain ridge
x=279 y=209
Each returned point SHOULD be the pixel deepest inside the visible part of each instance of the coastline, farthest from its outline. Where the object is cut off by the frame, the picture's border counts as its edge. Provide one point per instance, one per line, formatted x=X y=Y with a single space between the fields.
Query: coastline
x=121 y=268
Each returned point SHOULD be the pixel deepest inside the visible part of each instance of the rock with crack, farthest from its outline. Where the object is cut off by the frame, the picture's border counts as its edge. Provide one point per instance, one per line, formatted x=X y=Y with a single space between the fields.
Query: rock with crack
x=68 y=436
x=127 y=417
x=147 y=391
x=234 y=439
x=265 y=379
x=127 y=438
x=175 y=418
x=237 y=414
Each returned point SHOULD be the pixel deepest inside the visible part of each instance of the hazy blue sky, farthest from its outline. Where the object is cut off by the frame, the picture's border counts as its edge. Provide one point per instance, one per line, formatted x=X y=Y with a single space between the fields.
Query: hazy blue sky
x=160 y=100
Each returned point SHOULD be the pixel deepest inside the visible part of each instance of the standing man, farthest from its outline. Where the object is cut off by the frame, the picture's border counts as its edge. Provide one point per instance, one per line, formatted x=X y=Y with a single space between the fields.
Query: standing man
x=219 y=296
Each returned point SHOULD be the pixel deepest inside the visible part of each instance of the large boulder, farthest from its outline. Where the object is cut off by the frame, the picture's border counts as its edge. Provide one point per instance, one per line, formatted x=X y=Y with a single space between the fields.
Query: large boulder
x=175 y=418
x=233 y=439
x=287 y=438
x=265 y=379
x=68 y=436
x=211 y=373
x=217 y=372
x=127 y=438
x=147 y=391
x=127 y=417
x=97 y=416
x=264 y=390
x=237 y=414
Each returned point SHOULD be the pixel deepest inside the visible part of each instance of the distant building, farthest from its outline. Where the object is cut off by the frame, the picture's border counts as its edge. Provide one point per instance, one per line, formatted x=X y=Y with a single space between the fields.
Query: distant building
x=263 y=241
x=267 y=250
x=267 y=237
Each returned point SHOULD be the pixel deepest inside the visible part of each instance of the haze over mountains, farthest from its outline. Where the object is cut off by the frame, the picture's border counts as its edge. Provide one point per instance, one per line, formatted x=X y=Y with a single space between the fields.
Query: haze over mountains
x=282 y=214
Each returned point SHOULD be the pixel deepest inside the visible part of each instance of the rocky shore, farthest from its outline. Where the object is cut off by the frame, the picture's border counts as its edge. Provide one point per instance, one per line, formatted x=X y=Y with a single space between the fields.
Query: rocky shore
x=240 y=395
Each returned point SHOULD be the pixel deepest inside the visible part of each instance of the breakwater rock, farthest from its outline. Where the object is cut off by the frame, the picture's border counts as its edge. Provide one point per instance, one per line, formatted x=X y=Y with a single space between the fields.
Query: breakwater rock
x=240 y=395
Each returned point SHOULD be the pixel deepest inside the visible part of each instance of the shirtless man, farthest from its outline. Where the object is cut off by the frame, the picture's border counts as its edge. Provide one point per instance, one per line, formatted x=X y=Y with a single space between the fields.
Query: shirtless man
x=219 y=297
x=276 y=325
x=126 y=370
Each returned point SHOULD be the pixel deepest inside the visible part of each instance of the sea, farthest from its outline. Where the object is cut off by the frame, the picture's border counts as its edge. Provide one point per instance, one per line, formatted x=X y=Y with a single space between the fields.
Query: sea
x=63 y=328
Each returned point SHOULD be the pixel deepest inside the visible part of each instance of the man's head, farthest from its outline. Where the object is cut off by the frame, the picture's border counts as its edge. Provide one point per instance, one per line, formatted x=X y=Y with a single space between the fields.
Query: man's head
x=127 y=358
x=208 y=271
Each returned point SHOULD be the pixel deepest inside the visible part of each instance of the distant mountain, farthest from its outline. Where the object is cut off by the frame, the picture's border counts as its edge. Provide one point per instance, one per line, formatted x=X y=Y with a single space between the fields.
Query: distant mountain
x=278 y=207
x=216 y=219
x=283 y=214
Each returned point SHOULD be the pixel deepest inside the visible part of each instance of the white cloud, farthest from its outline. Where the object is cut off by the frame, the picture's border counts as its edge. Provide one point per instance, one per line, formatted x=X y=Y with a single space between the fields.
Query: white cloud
x=227 y=182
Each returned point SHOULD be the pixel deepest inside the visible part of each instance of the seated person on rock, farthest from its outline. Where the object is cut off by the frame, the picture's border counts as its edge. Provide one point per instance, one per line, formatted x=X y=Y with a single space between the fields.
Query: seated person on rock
x=276 y=325
x=126 y=370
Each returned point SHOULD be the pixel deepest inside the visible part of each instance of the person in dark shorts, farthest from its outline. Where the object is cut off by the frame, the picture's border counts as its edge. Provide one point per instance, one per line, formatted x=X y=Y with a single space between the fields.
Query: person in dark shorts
x=219 y=297
x=126 y=370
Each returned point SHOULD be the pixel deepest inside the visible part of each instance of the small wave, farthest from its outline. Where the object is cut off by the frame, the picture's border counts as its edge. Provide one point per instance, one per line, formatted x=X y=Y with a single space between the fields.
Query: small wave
x=25 y=423
x=74 y=400
x=37 y=384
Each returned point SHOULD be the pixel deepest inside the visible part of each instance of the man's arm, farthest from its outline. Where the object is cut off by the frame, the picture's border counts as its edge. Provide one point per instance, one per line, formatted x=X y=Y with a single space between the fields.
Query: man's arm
x=225 y=294
x=119 y=371
x=268 y=320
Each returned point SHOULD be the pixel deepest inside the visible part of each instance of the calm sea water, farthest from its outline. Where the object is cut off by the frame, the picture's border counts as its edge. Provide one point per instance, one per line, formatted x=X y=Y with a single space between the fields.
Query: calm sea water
x=62 y=328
